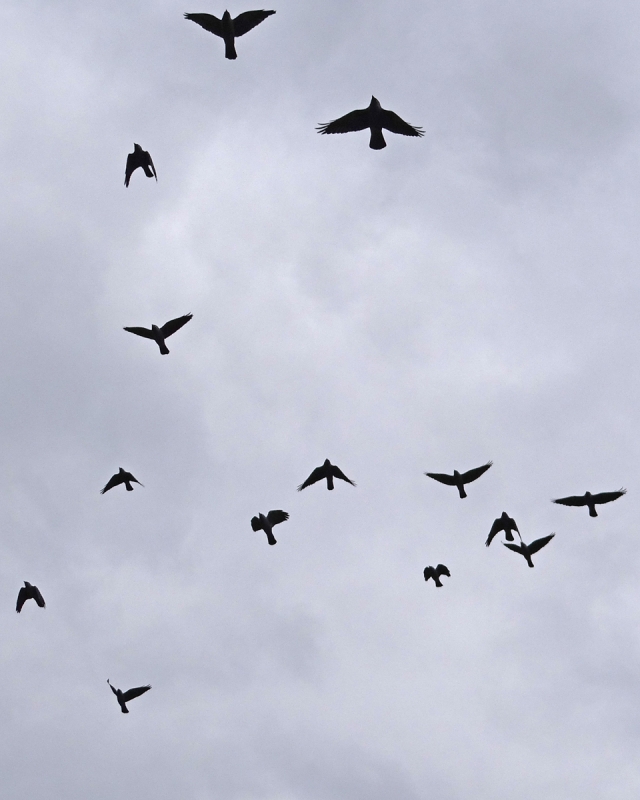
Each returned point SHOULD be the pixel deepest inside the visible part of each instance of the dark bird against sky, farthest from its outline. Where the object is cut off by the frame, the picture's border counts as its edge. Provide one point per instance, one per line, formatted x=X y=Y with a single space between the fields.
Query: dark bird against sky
x=591 y=500
x=435 y=573
x=139 y=158
x=458 y=479
x=130 y=694
x=374 y=117
x=228 y=28
x=262 y=523
x=503 y=523
x=527 y=550
x=159 y=334
x=121 y=477
x=328 y=471
x=29 y=592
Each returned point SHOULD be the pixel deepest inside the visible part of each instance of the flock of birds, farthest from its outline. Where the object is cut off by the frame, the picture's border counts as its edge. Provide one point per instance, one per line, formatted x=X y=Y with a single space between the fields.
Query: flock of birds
x=375 y=118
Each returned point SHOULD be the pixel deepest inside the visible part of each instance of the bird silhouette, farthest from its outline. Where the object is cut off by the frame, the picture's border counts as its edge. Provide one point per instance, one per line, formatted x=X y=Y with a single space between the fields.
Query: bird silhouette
x=527 y=550
x=139 y=158
x=328 y=471
x=503 y=523
x=590 y=500
x=121 y=477
x=458 y=479
x=159 y=334
x=435 y=573
x=130 y=694
x=229 y=29
x=29 y=592
x=374 y=117
x=266 y=523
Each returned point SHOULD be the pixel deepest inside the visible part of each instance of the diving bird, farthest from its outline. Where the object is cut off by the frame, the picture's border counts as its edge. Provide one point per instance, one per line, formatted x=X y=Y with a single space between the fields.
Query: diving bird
x=435 y=573
x=328 y=471
x=503 y=523
x=121 y=477
x=159 y=334
x=139 y=158
x=458 y=479
x=229 y=29
x=262 y=523
x=374 y=117
x=590 y=500
x=124 y=697
x=29 y=592
x=527 y=550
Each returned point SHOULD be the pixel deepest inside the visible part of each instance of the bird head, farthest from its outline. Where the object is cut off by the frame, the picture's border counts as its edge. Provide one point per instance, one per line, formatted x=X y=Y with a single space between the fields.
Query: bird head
x=136 y=147
x=375 y=103
x=120 y=470
x=456 y=474
x=226 y=16
x=327 y=463
x=27 y=584
x=587 y=494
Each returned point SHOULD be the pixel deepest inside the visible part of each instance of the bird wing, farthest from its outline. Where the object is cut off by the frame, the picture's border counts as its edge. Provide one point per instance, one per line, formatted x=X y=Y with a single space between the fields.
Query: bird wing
x=540 y=543
x=129 y=477
x=256 y=524
x=495 y=528
x=23 y=596
x=353 y=121
x=392 y=122
x=38 y=597
x=114 y=480
x=131 y=693
x=317 y=475
x=474 y=474
x=428 y=573
x=512 y=523
x=115 y=691
x=517 y=548
x=442 y=570
x=146 y=332
x=169 y=328
x=277 y=516
x=132 y=164
x=608 y=497
x=245 y=22
x=338 y=473
x=440 y=476
x=208 y=22
x=574 y=500
x=149 y=162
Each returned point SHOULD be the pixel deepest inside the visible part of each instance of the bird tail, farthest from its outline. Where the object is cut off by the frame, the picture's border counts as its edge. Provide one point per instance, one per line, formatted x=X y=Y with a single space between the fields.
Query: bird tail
x=124 y=709
x=438 y=581
x=463 y=494
x=592 y=511
x=128 y=486
x=164 y=349
x=329 y=482
x=377 y=141
x=147 y=171
x=508 y=536
x=271 y=538
x=230 y=49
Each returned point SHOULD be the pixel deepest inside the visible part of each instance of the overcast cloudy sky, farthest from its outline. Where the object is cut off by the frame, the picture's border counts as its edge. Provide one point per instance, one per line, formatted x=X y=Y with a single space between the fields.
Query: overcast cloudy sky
x=467 y=296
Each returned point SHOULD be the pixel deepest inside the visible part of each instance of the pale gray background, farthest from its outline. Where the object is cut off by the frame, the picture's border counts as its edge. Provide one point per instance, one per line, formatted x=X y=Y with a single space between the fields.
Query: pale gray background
x=467 y=296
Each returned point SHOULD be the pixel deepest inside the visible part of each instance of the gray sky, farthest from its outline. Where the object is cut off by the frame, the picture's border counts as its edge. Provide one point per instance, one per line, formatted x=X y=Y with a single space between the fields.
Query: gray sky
x=467 y=296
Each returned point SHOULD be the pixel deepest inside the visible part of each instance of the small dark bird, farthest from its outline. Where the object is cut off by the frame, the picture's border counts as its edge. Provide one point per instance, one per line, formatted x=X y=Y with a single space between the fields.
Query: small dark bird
x=376 y=118
x=121 y=477
x=328 y=471
x=160 y=334
x=591 y=500
x=139 y=158
x=29 y=592
x=262 y=523
x=435 y=573
x=527 y=550
x=124 y=697
x=459 y=480
x=503 y=523
x=227 y=28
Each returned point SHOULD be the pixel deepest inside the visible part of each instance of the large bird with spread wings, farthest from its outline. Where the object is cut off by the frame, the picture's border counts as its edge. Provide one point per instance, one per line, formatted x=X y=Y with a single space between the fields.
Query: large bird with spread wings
x=139 y=158
x=229 y=29
x=29 y=592
x=435 y=573
x=266 y=522
x=590 y=500
x=121 y=476
x=527 y=550
x=124 y=697
x=328 y=471
x=375 y=118
x=503 y=523
x=160 y=333
x=459 y=479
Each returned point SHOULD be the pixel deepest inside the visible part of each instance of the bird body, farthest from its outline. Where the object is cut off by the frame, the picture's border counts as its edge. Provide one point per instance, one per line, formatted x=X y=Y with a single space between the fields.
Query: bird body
x=266 y=522
x=228 y=28
x=121 y=476
x=375 y=118
x=29 y=592
x=460 y=479
x=435 y=573
x=590 y=500
x=503 y=523
x=328 y=471
x=527 y=550
x=124 y=697
x=160 y=333
x=139 y=158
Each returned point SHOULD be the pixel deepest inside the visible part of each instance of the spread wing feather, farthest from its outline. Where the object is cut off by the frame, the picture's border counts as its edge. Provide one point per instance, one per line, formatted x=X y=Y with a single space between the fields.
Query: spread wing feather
x=317 y=475
x=442 y=570
x=131 y=693
x=115 y=691
x=245 y=22
x=574 y=500
x=474 y=474
x=23 y=596
x=208 y=22
x=338 y=473
x=38 y=597
x=256 y=524
x=540 y=543
x=114 y=480
x=495 y=528
x=442 y=477
x=353 y=121
x=392 y=122
x=146 y=332
x=277 y=516
x=169 y=328
x=608 y=497
x=515 y=547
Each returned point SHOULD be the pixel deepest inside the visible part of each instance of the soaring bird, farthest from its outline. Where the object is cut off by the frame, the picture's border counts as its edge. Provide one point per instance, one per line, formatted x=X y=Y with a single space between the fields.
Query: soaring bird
x=527 y=550
x=121 y=477
x=124 y=697
x=458 y=479
x=435 y=573
x=591 y=500
x=139 y=158
x=503 y=523
x=159 y=334
x=227 y=28
x=328 y=471
x=262 y=523
x=374 y=117
x=29 y=592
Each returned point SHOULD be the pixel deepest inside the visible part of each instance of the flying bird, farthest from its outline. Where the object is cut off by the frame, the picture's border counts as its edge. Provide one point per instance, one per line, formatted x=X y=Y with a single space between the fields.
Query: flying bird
x=121 y=477
x=374 y=117
x=328 y=471
x=29 y=592
x=503 y=523
x=159 y=334
x=435 y=573
x=124 y=697
x=139 y=158
x=527 y=550
x=262 y=523
x=227 y=28
x=590 y=500
x=458 y=479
